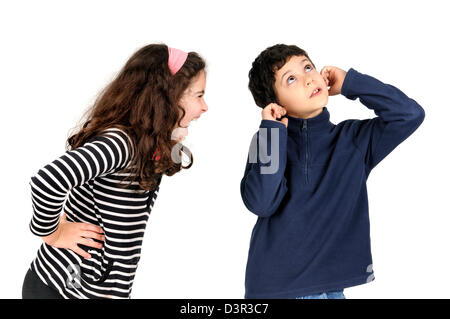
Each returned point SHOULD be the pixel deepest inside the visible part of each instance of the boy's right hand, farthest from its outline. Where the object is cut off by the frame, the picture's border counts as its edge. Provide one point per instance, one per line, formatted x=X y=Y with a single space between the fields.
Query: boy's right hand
x=273 y=111
x=70 y=234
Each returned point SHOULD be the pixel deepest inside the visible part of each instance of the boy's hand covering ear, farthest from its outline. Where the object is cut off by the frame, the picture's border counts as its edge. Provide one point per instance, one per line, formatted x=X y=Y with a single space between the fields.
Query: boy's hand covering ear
x=334 y=77
x=273 y=111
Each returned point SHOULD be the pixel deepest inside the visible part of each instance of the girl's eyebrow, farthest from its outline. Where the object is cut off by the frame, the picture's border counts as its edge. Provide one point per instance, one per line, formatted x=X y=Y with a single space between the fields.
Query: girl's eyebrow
x=305 y=59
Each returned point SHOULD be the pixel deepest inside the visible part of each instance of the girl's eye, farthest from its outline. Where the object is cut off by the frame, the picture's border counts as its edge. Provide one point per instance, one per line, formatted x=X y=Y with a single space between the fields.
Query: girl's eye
x=289 y=79
x=308 y=66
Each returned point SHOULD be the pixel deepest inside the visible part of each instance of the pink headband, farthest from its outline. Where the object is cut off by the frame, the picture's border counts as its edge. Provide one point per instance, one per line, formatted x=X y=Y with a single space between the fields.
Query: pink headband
x=176 y=60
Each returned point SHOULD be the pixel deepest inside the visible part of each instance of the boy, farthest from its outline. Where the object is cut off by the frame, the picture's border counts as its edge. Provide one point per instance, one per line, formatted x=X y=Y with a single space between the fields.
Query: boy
x=308 y=184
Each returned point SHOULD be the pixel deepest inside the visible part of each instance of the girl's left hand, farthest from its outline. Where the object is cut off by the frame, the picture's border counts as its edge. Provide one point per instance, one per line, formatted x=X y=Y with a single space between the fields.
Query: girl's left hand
x=179 y=133
x=334 y=78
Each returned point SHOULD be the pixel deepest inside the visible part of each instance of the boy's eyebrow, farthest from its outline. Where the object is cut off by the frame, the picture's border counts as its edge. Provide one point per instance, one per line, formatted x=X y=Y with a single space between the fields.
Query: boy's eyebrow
x=202 y=91
x=305 y=59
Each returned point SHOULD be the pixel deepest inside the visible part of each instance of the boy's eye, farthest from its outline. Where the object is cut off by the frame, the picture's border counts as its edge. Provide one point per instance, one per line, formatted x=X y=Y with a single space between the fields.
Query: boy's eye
x=308 y=66
x=289 y=79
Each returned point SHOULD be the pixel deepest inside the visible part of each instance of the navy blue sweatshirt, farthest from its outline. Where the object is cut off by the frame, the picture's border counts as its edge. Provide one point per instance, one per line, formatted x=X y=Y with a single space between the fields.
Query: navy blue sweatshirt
x=312 y=234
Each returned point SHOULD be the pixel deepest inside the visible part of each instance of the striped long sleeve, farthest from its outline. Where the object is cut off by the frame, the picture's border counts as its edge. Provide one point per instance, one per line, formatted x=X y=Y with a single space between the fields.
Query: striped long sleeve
x=103 y=154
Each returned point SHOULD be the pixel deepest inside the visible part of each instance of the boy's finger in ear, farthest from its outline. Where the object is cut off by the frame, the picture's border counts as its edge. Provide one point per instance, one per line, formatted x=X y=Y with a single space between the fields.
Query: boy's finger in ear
x=325 y=78
x=324 y=69
x=276 y=108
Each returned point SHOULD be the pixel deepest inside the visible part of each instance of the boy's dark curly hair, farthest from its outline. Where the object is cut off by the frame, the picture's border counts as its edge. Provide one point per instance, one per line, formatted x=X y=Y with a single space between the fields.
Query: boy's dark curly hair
x=262 y=74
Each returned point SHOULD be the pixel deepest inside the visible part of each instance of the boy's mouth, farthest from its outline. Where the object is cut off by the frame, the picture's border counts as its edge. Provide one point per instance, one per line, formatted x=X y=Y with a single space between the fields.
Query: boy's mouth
x=316 y=92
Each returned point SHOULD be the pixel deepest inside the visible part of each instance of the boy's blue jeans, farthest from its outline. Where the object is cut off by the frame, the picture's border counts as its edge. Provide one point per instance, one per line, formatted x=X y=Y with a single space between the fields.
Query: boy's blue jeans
x=338 y=294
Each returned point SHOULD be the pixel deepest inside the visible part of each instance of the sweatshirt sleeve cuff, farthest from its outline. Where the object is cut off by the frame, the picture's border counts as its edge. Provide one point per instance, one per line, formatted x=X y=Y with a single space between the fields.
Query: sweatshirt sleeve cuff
x=270 y=123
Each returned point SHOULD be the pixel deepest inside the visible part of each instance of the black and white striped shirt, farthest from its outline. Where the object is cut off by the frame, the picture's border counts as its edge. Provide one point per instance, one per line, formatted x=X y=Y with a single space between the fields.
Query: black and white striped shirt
x=89 y=175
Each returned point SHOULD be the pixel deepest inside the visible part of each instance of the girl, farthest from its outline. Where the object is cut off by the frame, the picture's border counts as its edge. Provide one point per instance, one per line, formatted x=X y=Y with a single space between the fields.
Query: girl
x=131 y=138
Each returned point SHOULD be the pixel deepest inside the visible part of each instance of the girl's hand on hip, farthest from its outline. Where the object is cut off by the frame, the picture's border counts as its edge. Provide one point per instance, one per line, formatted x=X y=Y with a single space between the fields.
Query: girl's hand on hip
x=70 y=234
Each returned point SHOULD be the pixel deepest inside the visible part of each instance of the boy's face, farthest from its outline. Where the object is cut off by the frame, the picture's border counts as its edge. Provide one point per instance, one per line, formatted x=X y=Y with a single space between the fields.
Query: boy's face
x=294 y=85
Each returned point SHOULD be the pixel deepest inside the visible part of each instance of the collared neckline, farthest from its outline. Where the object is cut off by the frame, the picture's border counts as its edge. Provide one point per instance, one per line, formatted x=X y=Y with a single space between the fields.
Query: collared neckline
x=316 y=123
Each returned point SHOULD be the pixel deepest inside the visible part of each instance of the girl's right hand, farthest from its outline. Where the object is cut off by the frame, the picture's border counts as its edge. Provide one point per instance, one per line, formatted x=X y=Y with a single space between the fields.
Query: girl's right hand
x=70 y=234
x=273 y=111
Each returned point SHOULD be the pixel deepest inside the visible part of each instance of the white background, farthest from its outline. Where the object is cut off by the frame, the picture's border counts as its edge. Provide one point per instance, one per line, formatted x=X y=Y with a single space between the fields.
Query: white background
x=56 y=56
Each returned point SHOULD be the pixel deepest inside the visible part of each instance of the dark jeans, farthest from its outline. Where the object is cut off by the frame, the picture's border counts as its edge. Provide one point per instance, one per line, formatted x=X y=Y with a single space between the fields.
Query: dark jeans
x=34 y=288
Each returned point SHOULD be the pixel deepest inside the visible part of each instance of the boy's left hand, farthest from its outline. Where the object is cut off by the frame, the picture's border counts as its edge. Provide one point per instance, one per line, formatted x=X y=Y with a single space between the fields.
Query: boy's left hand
x=334 y=77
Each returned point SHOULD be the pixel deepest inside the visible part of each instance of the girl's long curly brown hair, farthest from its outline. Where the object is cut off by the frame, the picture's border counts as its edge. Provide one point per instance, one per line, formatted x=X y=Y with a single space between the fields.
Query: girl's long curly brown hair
x=142 y=100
